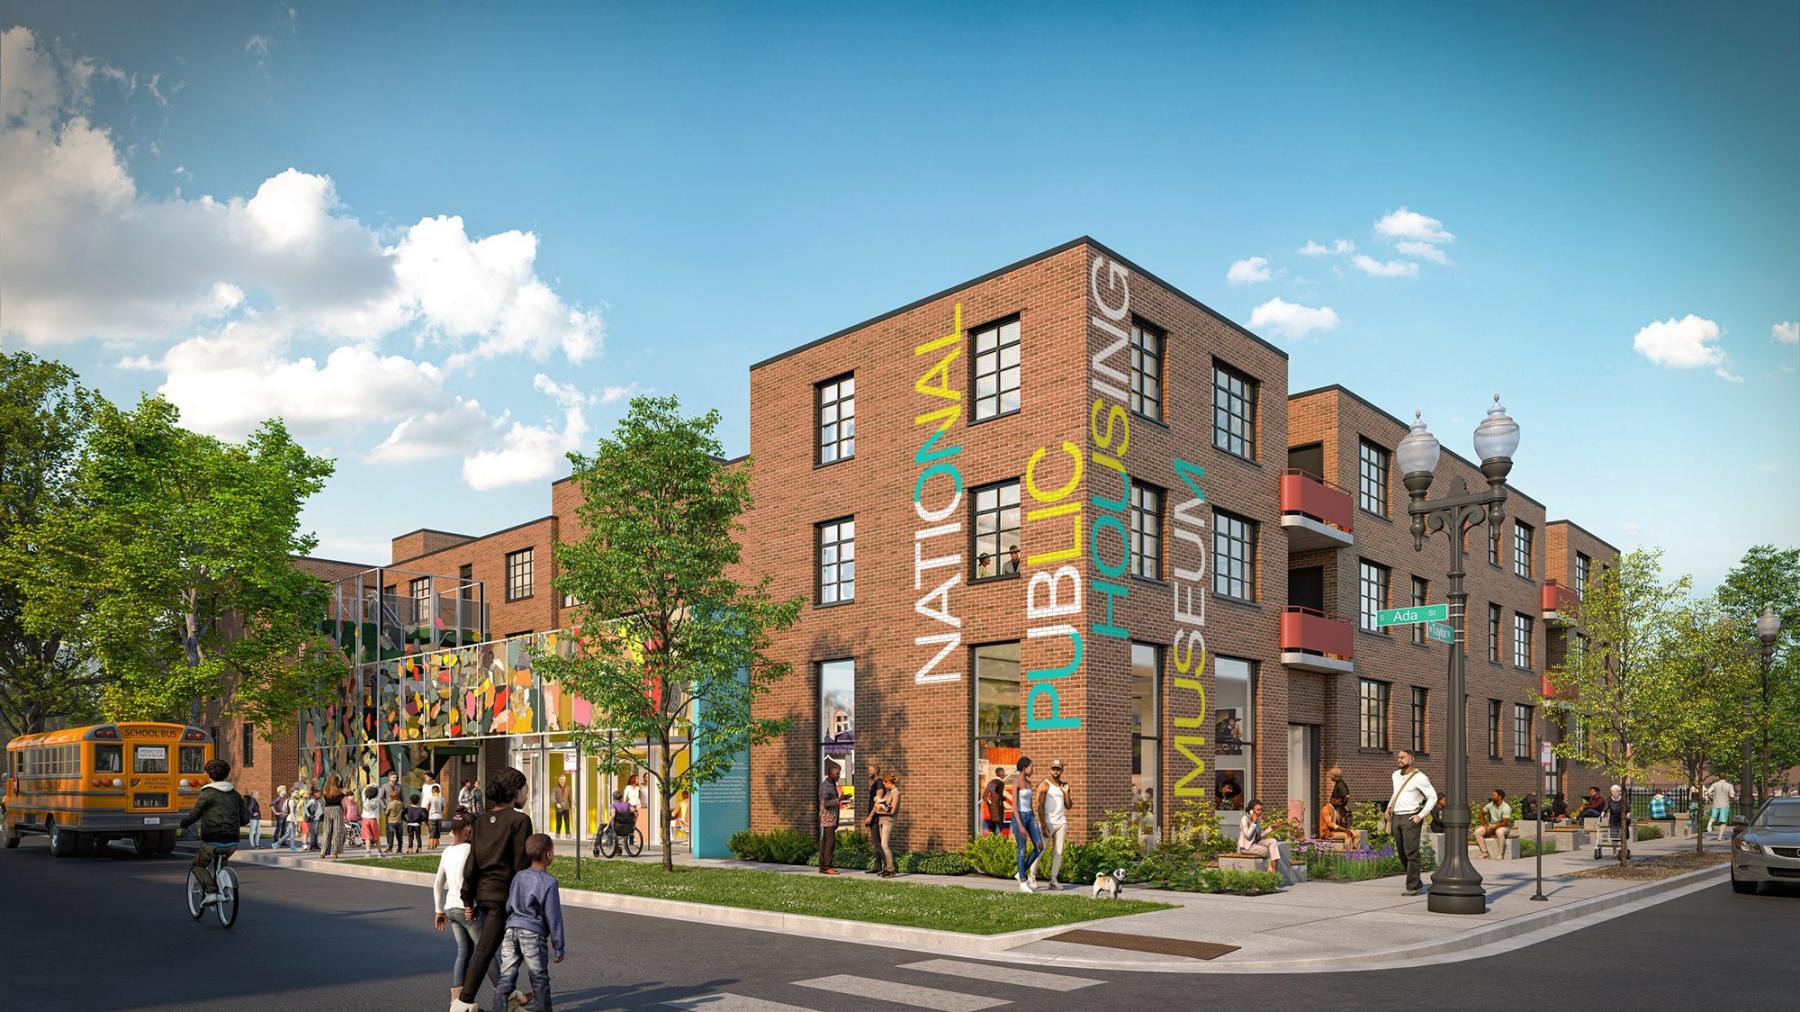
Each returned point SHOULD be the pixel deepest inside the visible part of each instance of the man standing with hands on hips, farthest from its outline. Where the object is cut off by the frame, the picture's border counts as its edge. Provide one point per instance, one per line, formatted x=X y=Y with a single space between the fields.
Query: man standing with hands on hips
x=1407 y=808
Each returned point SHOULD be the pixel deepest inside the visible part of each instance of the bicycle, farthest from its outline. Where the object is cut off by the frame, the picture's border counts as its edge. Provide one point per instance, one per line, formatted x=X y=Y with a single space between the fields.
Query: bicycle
x=227 y=905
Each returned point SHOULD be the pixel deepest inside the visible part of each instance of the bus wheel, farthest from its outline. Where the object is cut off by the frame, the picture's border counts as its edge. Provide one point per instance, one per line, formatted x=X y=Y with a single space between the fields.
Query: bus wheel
x=63 y=843
x=165 y=843
x=89 y=844
x=12 y=839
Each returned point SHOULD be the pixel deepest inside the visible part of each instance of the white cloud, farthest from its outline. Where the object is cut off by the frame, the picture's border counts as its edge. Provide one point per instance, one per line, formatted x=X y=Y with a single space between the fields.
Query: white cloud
x=1290 y=319
x=1411 y=225
x=458 y=428
x=1786 y=332
x=1688 y=343
x=612 y=395
x=1424 y=251
x=1385 y=269
x=257 y=46
x=1633 y=530
x=1248 y=271
x=1313 y=249
x=530 y=453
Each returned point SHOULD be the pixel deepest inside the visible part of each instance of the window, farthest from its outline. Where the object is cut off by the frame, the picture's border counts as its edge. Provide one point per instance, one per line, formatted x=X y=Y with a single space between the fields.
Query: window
x=1521 y=731
x=1493 y=545
x=1521 y=640
x=1493 y=729
x=1522 y=549
x=518 y=575
x=420 y=589
x=249 y=758
x=1579 y=650
x=465 y=580
x=837 y=418
x=1494 y=633
x=1146 y=370
x=1582 y=566
x=837 y=561
x=1146 y=531
x=1420 y=596
x=1234 y=411
x=1234 y=556
x=837 y=727
x=997 y=369
x=150 y=759
x=997 y=530
x=1420 y=697
x=1234 y=746
x=1372 y=593
x=569 y=600
x=996 y=744
x=1372 y=478
x=1146 y=684
x=1374 y=713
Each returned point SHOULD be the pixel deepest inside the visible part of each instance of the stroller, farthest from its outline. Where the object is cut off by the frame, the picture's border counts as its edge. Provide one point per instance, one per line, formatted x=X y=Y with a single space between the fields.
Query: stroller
x=621 y=833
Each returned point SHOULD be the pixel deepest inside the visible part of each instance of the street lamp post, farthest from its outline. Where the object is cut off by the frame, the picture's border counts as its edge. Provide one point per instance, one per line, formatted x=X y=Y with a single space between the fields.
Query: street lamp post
x=1456 y=885
x=1768 y=626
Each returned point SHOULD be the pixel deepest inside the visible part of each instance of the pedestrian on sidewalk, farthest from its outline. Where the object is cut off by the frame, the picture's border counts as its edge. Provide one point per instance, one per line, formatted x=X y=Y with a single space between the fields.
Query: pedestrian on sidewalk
x=1252 y=840
x=434 y=812
x=1407 y=807
x=876 y=789
x=315 y=816
x=353 y=827
x=496 y=855
x=830 y=798
x=371 y=818
x=1496 y=819
x=887 y=806
x=993 y=803
x=446 y=900
x=412 y=819
x=634 y=796
x=394 y=814
x=390 y=791
x=1721 y=794
x=1028 y=840
x=254 y=804
x=1051 y=799
x=331 y=820
x=278 y=811
x=534 y=926
x=559 y=806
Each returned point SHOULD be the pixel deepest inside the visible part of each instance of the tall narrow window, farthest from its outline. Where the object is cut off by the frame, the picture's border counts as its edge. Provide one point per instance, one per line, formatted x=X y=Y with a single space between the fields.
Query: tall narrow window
x=1373 y=713
x=837 y=560
x=1579 y=650
x=996 y=744
x=1521 y=731
x=1522 y=640
x=1494 y=633
x=997 y=530
x=465 y=579
x=1420 y=697
x=518 y=574
x=1582 y=565
x=1234 y=556
x=837 y=727
x=1234 y=411
x=1372 y=477
x=1146 y=530
x=1234 y=734
x=837 y=418
x=1372 y=594
x=997 y=369
x=1522 y=549
x=1146 y=370
x=1493 y=545
x=1420 y=596
x=1146 y=683
x=1493 y=729
x=249 y=758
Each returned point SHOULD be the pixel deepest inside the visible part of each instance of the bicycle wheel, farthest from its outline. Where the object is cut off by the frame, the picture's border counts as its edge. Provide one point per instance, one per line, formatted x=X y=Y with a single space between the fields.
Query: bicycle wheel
x=634 y=844
x=194 y=895
x=228 y=897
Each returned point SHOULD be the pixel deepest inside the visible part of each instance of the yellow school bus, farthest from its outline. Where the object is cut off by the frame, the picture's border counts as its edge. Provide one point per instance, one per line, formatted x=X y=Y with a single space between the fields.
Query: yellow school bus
x=85 y=786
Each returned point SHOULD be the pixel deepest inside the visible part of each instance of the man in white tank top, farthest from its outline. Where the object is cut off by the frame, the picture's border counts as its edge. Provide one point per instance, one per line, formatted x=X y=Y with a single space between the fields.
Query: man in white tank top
x=1052 y=802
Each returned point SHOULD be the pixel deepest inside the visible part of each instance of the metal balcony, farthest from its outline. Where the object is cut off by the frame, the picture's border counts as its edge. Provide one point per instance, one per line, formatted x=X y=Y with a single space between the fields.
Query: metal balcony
x=1559 y=602
x=1314 y=512
x=1314 y=641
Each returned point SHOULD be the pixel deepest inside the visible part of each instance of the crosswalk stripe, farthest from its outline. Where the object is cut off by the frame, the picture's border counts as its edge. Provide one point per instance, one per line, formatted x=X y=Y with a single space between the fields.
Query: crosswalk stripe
x=901 y=994
x=725 y=1001
x=1003 y=974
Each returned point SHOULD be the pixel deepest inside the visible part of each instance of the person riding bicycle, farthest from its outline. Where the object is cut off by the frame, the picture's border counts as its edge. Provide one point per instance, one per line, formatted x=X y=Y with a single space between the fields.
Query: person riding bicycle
x=220 y=811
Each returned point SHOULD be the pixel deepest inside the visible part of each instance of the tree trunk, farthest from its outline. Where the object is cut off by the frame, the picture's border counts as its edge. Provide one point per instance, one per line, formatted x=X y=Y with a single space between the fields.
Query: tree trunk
x=668 y=842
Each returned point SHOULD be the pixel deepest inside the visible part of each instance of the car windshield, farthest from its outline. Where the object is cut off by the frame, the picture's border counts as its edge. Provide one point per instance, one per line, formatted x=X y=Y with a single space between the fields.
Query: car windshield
x=1782 y=815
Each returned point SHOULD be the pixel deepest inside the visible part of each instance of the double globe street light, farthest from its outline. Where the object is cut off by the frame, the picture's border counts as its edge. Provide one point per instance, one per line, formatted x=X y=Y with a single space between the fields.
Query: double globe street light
x=1456 y=885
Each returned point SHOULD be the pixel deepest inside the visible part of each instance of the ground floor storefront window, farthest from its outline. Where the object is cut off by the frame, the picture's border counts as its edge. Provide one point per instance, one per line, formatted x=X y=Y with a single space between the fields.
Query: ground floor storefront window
x=996 y=745
x=837 y=731
x=1234 y=748
x=1146 y=734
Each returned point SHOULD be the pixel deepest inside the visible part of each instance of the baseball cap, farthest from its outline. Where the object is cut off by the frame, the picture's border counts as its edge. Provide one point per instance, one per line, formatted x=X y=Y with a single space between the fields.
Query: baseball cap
x=1056 y=764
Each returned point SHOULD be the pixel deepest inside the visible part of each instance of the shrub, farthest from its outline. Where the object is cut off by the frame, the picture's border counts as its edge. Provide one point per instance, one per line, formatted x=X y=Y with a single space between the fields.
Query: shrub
x=1102 y=854
x=1194 y=878
x=1279 y=825
x=932 y=862
x=1528 y=847
x=1195 y=824
x=1358 y=865
x=748 y=846
x=1366 y=815
x=790 y=846
x=995 y=855
x=853 y=851
x=1649 y=833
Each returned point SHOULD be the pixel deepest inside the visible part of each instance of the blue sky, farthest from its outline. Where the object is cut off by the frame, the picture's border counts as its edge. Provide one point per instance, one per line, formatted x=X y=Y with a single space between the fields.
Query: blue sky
x=501 y=221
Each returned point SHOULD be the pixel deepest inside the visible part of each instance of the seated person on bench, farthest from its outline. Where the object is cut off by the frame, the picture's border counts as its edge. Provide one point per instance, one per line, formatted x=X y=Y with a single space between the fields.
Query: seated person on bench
x=1559 y=810
x=1659 y=806
x=1592 y=808
x=1496 y=818
x=1334 y=824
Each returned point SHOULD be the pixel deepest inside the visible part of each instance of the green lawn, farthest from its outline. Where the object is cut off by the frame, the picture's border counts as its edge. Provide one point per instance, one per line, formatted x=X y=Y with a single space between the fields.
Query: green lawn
x=944 y=908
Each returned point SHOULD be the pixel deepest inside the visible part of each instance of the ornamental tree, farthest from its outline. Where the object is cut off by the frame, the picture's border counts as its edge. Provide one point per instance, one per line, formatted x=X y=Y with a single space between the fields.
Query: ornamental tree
x=1770 y=577
x=669 y=648
x=1694 y=697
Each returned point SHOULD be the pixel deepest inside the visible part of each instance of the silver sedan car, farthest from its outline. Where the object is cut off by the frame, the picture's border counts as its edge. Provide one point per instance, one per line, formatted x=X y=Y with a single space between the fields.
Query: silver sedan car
x=1768 y=849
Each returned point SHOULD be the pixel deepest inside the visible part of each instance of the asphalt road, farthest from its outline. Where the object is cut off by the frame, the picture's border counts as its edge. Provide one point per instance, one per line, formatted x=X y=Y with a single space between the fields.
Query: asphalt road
x=112 y=933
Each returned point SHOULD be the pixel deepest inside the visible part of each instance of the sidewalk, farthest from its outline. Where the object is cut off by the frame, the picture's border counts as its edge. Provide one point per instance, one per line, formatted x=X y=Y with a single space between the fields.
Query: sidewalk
x=1311 y=926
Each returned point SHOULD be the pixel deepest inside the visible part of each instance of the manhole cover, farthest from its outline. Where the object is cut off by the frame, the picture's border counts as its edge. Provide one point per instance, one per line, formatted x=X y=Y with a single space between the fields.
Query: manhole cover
x=1145 y=943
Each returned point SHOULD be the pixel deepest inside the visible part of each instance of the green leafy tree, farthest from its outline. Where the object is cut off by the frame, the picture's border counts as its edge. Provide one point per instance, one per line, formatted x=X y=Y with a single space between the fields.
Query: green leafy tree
x=1769 y=576
x=1693 y=698
x=171 y=563
x=669 y=648
x=45 y=414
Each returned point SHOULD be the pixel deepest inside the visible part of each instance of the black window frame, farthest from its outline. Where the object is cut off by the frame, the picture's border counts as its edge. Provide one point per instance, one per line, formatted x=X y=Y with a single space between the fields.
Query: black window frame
x=1225 y=400
x=840 y=417
x=1366 y=619
x=1373 y=463
x=1524 y=543
x=977 y=369
x=1524 y=632
x=999 y=510
x=248 y=745
x=1421 y=703
x=1144 y=524
x=1522 y=715
x=1494 y=616
x=1224 y=535
x=1584 y=571
x=465 y=578
x=514 y=569
x=1378 y=702
x=1143 y=380
x=834 y=526
x=1493 y=729
x=1421 y=595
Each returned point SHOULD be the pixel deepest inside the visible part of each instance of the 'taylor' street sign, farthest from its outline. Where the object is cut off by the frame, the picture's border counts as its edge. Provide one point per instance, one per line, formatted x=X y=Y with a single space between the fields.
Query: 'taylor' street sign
x=1442 y=632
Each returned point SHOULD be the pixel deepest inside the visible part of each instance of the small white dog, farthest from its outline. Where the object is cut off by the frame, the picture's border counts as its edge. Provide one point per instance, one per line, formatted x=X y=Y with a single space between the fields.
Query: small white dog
x=1109 y=886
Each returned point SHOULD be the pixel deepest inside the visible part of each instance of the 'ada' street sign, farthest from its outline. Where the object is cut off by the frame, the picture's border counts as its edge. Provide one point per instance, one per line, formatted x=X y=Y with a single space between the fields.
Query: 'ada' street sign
x=1416 y=613
x=1442 y=632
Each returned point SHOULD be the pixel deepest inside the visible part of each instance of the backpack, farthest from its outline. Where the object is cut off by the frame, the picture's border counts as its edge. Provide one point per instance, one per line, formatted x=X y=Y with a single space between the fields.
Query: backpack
x=313 y=808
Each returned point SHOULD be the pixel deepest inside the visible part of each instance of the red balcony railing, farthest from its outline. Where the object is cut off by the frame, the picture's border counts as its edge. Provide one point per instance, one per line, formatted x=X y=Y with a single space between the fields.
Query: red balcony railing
x=1550 y=691
x=1314 y=497
x=1308 y=630
x=1559 y=600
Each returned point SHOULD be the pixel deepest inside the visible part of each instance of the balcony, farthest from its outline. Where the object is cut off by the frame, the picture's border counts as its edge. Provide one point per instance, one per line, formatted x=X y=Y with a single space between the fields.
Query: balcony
x=1315 y=513
x=1559 y=602
x=1549 y=691
x=1311 y=640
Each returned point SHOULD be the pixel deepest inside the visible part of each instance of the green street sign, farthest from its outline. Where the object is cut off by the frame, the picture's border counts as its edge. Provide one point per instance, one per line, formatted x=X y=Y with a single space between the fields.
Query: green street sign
x=1443 y=632
x=1416 y=613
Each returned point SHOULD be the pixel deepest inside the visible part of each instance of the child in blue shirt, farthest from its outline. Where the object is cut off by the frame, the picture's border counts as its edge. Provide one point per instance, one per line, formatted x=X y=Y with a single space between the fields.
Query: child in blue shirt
x=534 y=925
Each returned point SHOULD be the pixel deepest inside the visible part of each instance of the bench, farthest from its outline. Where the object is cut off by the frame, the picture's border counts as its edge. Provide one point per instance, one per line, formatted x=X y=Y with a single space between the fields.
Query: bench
x=1236 y=861
x=1437 y=845
x=1568 y=838
x=1362 y=842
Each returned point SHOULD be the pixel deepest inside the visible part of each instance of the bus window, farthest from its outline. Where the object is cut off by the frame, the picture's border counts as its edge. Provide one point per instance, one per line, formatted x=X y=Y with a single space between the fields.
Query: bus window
x=150 y=759
x=193 y=759
x=109 y=759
